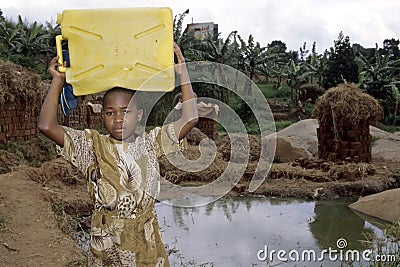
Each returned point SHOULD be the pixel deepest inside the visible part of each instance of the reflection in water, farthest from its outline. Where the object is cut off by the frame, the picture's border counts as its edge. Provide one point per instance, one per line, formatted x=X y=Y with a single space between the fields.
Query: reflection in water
x=230 y=231
x=334 y=220
x=229 y=207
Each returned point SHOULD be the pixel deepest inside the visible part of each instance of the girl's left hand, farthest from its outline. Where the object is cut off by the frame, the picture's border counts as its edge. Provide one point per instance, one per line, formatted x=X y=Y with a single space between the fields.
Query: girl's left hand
x=180 y=66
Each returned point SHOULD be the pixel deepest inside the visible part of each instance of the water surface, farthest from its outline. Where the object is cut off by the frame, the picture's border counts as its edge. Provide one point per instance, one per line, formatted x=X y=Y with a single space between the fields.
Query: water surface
x=232 y=230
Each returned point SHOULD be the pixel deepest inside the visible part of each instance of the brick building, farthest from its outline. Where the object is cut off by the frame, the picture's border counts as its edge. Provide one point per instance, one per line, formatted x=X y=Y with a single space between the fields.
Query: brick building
x=21 y=95
x=344 y=114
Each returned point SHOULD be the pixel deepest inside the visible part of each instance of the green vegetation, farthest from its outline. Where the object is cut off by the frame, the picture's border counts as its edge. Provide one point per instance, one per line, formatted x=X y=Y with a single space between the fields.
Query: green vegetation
x=31 y=45
x=390 y=128
x=66 y=223
x=385 y=248
x=30 y=153
x=177 y=259
x=71 y=225
x=341 y=65
x=280 y=125
x=269 y=90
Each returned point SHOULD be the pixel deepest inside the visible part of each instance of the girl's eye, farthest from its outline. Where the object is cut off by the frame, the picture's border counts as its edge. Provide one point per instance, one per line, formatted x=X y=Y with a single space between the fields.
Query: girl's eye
x=109 y=113
x=127 y=111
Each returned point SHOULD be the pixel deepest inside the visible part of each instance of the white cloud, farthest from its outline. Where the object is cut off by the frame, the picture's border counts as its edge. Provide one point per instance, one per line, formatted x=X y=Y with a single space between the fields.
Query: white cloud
x=294 y=22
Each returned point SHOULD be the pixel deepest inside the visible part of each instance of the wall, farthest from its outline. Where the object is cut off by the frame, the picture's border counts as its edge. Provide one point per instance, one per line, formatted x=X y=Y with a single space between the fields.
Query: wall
x=18 y=121
x=354 y=144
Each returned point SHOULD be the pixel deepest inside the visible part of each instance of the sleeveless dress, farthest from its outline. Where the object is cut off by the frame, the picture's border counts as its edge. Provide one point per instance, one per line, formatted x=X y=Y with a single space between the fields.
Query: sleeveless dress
x=123 y=183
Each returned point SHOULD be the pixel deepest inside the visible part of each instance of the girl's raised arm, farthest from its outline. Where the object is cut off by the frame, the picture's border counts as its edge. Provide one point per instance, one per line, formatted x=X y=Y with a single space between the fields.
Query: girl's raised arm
x=189 y=116
x=47 y=123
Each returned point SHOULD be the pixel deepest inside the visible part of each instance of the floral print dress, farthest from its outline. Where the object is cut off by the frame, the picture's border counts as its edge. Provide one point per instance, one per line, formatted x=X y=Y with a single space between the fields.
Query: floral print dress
x=123 y=182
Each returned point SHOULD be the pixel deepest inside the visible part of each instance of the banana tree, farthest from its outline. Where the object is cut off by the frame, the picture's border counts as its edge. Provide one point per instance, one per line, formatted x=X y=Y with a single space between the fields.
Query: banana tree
x=380 y=69
x=218 y=51
x=9 y=33
x=379 y=79
x=297 y=74
x=23 y=43
x=278 y=71
x=182 y=37
x=31 y=39
x=396 y=96
x=178 y=26
x=252 y=53
x=49 y=40
x=272 y=64
x=222 y=52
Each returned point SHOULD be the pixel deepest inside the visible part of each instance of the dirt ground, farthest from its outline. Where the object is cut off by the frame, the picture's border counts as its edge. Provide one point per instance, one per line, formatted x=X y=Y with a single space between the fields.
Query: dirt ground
x=30 y=234
x=38 y=204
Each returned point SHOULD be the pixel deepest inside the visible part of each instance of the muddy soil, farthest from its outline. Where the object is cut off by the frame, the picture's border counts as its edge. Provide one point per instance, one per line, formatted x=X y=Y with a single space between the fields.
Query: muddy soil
x=41 y=207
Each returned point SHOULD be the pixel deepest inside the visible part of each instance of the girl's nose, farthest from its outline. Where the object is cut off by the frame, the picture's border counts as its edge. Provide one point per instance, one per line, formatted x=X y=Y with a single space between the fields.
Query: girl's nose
x=119 y=118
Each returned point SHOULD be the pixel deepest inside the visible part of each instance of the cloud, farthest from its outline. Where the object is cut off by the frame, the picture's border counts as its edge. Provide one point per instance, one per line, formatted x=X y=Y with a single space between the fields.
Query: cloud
x=294 y=22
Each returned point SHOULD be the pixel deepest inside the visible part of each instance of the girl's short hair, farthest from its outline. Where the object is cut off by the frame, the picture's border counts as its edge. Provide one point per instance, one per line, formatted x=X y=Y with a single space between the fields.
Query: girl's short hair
x=118 y=89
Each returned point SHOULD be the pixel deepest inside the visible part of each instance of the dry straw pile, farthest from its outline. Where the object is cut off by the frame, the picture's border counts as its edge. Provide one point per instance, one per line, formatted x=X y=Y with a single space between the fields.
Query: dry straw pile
x=17 y=83
x=346 y=106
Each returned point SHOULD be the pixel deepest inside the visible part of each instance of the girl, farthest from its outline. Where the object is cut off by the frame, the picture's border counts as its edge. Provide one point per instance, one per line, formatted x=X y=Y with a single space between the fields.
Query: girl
x=121 y=169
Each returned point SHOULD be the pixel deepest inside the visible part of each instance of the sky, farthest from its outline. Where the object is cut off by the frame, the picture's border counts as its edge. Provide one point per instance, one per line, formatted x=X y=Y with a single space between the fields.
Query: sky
x=366 y=22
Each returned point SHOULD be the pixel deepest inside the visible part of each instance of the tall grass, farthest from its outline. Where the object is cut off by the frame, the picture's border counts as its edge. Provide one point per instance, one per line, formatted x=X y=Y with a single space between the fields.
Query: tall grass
x=269 y=90
x=385 y=249
x=32 y=153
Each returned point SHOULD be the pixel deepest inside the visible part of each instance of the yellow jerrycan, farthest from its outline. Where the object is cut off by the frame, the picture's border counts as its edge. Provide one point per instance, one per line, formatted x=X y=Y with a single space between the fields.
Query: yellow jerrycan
x=126 y=47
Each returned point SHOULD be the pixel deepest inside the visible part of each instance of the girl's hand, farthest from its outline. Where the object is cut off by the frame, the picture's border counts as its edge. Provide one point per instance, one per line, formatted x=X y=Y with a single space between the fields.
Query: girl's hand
x=180 y=66
x=53 y=69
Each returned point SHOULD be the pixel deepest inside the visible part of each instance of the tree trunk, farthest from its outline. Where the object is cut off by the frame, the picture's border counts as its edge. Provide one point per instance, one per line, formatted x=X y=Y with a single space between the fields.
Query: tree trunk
x=235 y=86
x=247 y=87
x=248 y=82
x=266 y=78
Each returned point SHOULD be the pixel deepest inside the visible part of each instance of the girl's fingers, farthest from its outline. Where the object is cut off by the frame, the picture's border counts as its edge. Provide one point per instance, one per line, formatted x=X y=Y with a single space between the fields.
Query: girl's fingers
x=53 y=65
x=178 y=53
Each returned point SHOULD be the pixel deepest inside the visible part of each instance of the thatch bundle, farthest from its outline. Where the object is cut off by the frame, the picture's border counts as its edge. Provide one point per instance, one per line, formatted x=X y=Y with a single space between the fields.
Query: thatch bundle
x=211 y=172
x=347 y=106
x=195 y=136
x=18 y=83
x=241 y=144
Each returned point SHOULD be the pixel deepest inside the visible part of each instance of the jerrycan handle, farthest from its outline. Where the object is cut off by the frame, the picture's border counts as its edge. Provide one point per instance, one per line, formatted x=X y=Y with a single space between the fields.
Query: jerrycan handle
x=59 y=39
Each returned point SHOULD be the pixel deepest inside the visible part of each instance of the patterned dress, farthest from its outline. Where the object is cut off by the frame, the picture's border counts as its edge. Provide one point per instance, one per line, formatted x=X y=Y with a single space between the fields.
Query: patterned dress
x=123 y=182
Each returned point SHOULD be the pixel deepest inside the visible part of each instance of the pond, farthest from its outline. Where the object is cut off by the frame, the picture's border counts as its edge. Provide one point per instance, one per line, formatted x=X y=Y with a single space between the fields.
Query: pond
x=250 y=231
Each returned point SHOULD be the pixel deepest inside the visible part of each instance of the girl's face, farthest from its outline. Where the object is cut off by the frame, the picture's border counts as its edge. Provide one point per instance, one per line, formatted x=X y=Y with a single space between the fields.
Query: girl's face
x=121 y=115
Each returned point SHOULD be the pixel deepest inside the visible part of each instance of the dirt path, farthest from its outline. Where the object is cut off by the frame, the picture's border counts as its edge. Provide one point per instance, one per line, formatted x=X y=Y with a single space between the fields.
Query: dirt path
x=30 y=235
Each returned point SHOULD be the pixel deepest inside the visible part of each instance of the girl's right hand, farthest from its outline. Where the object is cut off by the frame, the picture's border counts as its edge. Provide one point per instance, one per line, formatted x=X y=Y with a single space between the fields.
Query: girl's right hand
x=53 y=69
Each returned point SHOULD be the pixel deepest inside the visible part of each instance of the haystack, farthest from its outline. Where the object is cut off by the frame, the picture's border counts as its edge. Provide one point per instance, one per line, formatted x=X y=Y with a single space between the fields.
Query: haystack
x=21 y=95
x=344 y=114
x=18 y=83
